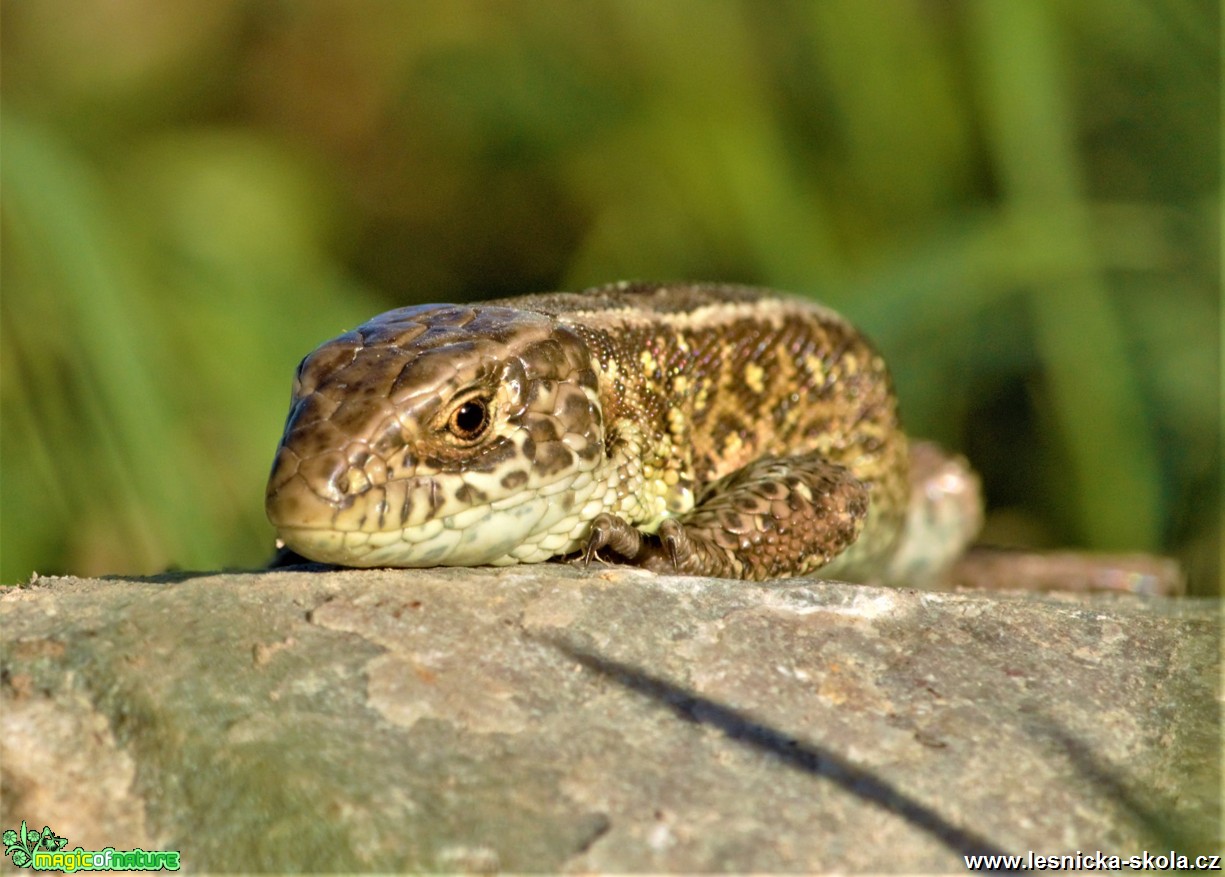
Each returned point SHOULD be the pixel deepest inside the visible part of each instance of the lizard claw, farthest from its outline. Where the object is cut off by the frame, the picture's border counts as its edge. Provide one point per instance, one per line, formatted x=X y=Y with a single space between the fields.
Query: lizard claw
x=672 y=534
x=609 y=531
x=596 y=540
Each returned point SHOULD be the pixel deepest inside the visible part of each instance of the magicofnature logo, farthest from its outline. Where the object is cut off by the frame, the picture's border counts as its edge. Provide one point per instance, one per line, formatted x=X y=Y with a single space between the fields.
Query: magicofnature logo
x=44 y=851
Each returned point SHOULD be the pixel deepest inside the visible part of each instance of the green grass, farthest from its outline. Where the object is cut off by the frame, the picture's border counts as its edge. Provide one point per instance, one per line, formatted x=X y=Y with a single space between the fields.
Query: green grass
x=1018 y=199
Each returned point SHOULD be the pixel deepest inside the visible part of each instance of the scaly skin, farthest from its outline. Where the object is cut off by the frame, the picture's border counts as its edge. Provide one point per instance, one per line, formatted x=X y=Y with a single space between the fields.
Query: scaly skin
x=711 y=430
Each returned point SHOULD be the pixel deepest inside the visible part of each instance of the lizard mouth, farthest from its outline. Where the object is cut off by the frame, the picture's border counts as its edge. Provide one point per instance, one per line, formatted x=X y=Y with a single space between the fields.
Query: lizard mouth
x=476 y=536
x=326 y=511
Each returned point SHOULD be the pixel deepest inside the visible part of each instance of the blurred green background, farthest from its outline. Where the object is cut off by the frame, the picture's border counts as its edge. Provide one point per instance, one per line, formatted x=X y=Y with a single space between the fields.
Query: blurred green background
x=1017 y=199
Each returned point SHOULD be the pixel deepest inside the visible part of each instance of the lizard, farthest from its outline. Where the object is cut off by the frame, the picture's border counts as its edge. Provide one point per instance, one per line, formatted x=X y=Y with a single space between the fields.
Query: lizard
x=701 y=429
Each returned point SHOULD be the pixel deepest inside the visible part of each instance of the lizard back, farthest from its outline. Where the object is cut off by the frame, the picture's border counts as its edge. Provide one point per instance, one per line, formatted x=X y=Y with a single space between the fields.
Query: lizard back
x=701 y=379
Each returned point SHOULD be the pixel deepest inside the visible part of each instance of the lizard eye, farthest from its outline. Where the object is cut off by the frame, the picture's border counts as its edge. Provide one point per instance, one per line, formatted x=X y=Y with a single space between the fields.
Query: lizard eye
x=469 y=420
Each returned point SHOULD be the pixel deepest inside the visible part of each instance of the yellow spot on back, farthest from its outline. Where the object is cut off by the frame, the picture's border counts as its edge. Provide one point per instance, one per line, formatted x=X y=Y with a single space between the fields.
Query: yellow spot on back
x=753 y=376
x=676 y=421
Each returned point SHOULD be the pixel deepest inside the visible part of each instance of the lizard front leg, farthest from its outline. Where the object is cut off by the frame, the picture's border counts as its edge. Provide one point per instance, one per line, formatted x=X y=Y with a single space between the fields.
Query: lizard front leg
x=775 y=517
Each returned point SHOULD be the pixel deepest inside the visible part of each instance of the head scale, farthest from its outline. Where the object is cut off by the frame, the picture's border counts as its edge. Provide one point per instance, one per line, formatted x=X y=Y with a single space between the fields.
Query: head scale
x=430 y=435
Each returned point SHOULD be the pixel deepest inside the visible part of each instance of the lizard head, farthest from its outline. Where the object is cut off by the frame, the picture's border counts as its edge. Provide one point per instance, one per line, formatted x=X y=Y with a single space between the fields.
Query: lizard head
x=439 y=435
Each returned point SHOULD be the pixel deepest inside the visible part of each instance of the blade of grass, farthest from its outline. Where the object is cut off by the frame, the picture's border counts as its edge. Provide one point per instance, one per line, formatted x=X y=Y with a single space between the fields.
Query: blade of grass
x=121 y=423
x=1114 y=464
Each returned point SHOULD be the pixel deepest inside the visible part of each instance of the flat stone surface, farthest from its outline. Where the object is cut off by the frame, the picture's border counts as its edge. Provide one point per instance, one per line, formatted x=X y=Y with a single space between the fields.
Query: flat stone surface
x=549 y=719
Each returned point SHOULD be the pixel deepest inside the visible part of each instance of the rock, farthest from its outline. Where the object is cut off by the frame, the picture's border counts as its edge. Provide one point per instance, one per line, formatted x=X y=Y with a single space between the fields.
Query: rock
x=548 y=719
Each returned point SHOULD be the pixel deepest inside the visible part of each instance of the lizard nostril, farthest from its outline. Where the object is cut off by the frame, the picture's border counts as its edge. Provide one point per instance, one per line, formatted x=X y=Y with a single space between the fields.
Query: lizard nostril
x=353 y=482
